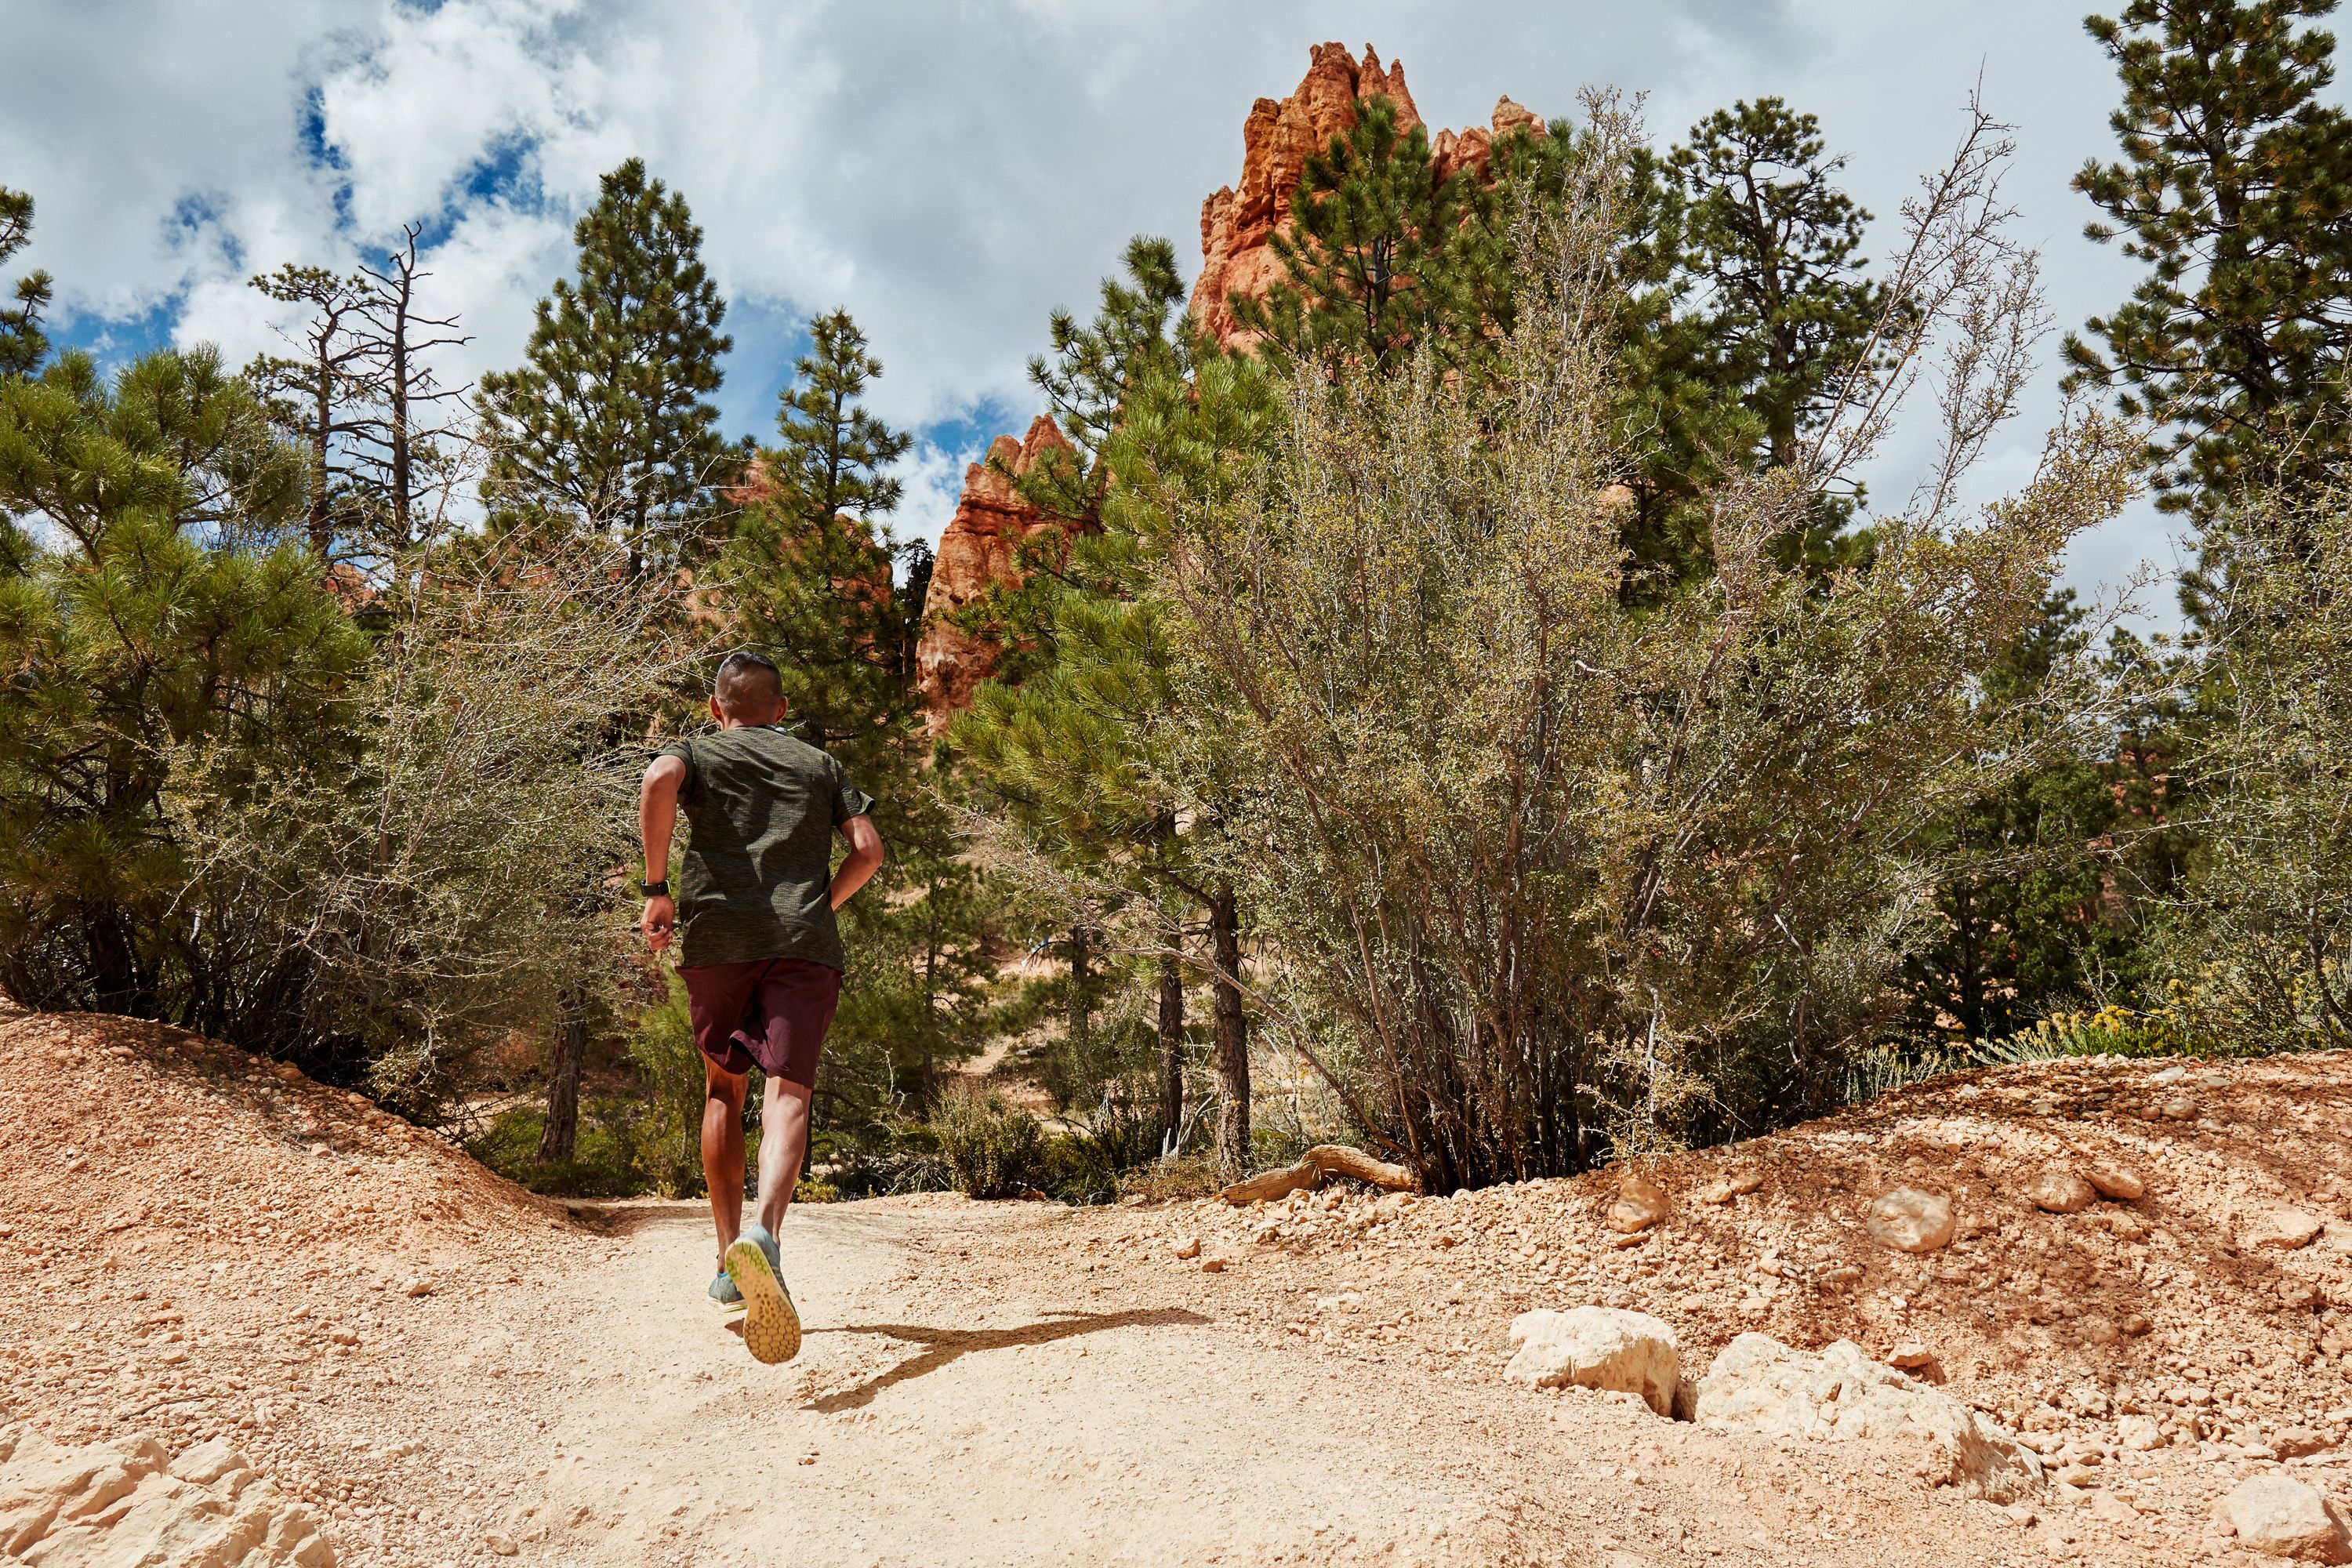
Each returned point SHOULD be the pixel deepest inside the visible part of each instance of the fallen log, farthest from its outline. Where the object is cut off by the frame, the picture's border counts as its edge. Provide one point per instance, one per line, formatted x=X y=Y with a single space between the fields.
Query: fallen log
x=1323 y=1160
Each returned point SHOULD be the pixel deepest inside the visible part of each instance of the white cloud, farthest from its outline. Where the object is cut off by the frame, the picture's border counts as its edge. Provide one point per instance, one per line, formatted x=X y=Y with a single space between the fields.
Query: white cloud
x=949 y=172
x=933 y=478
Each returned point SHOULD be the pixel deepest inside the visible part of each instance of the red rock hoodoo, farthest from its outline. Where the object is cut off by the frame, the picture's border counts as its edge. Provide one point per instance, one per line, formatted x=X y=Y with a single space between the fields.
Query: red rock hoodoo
x=1237 y=222
x=978 y=552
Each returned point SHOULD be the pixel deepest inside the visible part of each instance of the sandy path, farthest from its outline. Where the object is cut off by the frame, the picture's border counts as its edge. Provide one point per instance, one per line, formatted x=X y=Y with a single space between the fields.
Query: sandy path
x=930 y=1426
x=969 y=1394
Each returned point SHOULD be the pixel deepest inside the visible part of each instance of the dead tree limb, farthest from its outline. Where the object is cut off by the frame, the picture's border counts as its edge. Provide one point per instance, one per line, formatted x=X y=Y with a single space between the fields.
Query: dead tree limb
x=1323 y=1160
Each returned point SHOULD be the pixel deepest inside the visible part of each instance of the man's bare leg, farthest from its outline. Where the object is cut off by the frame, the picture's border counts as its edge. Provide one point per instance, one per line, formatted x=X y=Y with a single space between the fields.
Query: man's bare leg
x=722 y=1148
x=783 y=1144
x=771 y=1324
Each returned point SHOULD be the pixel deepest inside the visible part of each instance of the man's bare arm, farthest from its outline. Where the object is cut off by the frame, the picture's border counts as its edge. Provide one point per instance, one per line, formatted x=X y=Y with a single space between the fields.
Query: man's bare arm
x=865 y=858
x=656 y=820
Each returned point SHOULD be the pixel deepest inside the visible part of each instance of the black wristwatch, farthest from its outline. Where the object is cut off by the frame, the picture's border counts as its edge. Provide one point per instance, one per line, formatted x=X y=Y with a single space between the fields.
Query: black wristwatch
x=657 y=890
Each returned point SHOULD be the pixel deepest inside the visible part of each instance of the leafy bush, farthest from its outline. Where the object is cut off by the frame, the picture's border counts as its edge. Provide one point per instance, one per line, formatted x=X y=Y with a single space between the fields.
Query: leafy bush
x=993 y=1148
x=1564 y=860
x=662 y=1048
x=606 y=1160
x=2114 y=1031
x=887 y=1158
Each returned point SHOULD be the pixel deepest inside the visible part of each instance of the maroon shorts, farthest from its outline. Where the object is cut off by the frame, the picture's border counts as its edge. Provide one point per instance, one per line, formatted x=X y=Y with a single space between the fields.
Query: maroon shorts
x=770 y=1011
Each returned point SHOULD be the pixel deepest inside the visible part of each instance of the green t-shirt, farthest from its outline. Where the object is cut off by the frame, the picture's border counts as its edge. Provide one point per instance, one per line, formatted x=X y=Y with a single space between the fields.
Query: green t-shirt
x=760 y=808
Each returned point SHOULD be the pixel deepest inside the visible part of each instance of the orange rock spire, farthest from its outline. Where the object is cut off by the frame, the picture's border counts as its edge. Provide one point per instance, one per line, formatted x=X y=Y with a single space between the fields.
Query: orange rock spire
x=1237 y=222
x=978 y=552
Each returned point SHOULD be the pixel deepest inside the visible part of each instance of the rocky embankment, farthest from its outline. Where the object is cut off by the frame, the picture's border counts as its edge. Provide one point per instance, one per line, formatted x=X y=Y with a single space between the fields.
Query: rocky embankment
x=2138 y=1275
x=204 y=1255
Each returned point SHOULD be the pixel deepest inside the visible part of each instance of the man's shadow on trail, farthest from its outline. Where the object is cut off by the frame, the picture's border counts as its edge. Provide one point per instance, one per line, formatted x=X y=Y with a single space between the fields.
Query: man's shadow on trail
x=944 y=1345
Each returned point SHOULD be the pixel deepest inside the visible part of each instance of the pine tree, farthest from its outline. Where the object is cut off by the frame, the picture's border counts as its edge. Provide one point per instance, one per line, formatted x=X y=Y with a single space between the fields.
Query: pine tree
x=1752 y=314
x=1366 y=254
x=408 y=447
x=170 y=655
x=2027 y=917
x=603 y=424
x=1141 y=334
x=361 y=398
x=1141 y=331
x=23 y=344
x=809 y=566
x=1068 y=741
x=807 y=577
x=2235 y=189
x=325 y=398
x=1770 y=244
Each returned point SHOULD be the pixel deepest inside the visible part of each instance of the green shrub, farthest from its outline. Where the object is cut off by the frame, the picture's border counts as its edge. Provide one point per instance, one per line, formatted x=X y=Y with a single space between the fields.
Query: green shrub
x=2112 y=1030
x=668 y=1133
x=1883 y=1069
x=993 y=1148
x=603 y=1159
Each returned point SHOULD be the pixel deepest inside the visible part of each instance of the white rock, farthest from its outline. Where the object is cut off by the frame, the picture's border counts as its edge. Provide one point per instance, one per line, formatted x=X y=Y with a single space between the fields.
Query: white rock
x=2120 y=1182
x=2279 y=1516
x=2283 y=1228
x=98 y=1505
x=208 y=1462
x=2139 y=1433
x=1909 y=1220
x=2061 y=1190
x=1758 y=1384
x=1603 y=1348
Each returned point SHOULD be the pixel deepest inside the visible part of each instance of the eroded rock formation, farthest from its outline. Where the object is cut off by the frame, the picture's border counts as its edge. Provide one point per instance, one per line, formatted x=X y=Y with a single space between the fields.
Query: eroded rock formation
x=131 y=1503
x=1239 y=220
x=980 y=550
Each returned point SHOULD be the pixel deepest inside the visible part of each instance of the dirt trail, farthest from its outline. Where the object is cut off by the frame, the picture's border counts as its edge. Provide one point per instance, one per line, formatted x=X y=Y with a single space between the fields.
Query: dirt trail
x=924 y=1423
x=450 y=1371
x=968 y=1395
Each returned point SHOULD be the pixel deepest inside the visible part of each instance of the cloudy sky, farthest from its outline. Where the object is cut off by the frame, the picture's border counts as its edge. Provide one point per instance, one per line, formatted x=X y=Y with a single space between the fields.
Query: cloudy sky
x=948 y=171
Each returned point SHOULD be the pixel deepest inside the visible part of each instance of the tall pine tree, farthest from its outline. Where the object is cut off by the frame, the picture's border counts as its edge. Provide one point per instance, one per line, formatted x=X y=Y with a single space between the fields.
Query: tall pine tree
x=1366 y=258
x=605 y=424
x=164 y=640
x=808 y=578
x=809 y=566
x=1753 y=312
x=324 y=397
x=604 y=428
x=1068 y=741
x=2235 y=189
x=22 y=345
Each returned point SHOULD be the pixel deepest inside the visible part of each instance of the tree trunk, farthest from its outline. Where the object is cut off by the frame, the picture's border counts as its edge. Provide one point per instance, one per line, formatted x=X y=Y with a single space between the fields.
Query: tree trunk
x=562 y=1123
x=1233 y=1036
x=1081 y=1022
x=1172 y=1050
x=1323 y=1160
x=320 y=521
x=402 y=499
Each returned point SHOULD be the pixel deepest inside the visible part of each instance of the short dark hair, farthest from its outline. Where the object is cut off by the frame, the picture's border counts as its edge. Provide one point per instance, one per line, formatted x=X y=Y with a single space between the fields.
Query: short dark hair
x=744 y=678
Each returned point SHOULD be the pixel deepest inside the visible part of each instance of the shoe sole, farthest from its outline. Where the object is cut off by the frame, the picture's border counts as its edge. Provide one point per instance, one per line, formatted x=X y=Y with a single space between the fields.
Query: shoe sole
x=771 y=1325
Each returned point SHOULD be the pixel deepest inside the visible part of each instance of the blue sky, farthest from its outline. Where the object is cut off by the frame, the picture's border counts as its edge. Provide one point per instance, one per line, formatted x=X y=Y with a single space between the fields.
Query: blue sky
x=950 y=170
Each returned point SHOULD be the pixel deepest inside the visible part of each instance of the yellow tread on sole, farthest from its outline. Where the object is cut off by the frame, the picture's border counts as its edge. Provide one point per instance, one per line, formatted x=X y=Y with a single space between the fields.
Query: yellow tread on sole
x=771 y=1325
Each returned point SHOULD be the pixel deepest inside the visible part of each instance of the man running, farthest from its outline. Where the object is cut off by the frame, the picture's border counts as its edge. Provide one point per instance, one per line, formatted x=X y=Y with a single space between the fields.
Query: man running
x=759 y=952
